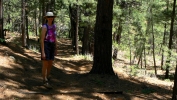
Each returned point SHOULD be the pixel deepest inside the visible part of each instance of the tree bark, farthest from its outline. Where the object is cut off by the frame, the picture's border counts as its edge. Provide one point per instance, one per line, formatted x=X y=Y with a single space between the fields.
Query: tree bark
x=102 y=63
x=1 y=22
x=27 y=33
x=73 y=12
x=35 y=21
x=164 y=39
x=174 y=97
x=85 y=41
x=163 y=44
x=170 y=41
x=43 y=11
x=23 y=24
x=77 y=29
x=153 y=42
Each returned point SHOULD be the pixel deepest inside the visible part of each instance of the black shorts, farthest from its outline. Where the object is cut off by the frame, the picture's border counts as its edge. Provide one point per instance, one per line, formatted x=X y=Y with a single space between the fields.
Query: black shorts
x=49 y=49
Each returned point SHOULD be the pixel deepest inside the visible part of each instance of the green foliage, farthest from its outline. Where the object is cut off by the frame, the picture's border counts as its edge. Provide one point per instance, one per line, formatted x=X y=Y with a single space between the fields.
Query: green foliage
x=115 y=45
x=97 y=81
x=77 y=2
x=31 y=33
x=2 y=40
x=134 y=70
x=136 y=19
x=138 y=22
x=34 y=48
x=148 y=91
x=167 y=80
x=84 y=57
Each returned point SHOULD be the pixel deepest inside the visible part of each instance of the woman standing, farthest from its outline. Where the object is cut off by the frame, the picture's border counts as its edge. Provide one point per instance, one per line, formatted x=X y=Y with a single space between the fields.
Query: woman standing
x=48 y=47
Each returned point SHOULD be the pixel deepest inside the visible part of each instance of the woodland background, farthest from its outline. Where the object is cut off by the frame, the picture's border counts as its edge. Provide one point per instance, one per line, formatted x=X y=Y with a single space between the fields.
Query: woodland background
x=145 y=30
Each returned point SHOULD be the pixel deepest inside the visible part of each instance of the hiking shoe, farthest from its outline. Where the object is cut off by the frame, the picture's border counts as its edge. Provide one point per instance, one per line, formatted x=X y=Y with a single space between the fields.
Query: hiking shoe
x=48 y=78
x=47 y=85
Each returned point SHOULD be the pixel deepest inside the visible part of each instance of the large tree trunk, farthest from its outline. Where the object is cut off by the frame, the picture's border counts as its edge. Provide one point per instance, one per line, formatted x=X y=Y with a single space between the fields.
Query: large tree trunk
x=103 y=39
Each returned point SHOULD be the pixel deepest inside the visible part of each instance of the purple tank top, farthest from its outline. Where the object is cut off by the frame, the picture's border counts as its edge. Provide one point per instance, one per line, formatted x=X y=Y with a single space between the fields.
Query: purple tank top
x=51 y=33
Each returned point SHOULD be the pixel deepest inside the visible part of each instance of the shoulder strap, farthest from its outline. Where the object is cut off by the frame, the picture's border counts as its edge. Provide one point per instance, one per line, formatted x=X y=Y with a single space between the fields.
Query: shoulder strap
x=47 y=30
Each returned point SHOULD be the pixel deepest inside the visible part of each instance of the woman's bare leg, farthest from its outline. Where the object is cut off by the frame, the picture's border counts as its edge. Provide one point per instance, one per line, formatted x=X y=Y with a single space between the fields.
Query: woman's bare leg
x=50 y=63
x=44 y=69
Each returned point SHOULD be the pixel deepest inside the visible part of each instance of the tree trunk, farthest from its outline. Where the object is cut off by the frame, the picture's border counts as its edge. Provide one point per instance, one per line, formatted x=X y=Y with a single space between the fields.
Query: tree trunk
x=164 y=39
x=77 y=29
x=170 y=41
x=1 y=23
x=35 y=21
x=27 y=34
x=174 y=97
x=130 y=48
x=140 y=57
x=163 y=47
x=73 y=26
x=117 y=38
x=153 y=44
x=145 y=63
x=52 y=5
x=102 y=63
x=85 y=41
x=23 y=24
x=43 y=11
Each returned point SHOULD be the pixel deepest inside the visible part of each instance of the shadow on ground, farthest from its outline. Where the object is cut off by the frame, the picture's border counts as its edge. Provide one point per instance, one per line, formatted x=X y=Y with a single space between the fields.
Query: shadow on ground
x=21 y=79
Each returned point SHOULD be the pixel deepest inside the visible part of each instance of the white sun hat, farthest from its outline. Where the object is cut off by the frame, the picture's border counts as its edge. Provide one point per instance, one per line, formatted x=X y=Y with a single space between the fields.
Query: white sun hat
x=49 y=14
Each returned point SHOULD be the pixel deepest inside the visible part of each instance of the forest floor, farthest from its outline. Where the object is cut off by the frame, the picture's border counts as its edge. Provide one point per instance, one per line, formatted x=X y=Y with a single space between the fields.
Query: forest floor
x=20 y=77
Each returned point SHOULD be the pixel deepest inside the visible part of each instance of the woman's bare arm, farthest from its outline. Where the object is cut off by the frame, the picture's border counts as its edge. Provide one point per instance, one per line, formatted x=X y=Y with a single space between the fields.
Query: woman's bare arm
x=43 y=34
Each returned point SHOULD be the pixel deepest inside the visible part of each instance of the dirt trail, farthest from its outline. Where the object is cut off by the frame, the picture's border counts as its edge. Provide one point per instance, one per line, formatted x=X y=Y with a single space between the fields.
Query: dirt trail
x=20 y=78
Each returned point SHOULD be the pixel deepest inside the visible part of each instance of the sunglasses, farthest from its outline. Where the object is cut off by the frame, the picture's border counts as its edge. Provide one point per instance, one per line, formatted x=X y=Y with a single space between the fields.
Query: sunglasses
x=50 y=17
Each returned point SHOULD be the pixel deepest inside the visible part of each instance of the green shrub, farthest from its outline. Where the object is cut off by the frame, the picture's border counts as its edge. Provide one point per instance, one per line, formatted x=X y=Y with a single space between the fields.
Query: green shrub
x=134 y=70
x=2 y=40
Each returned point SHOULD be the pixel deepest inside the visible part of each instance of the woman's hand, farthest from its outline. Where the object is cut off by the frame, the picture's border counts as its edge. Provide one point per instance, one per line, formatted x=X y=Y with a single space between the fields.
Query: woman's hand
x=43 y=56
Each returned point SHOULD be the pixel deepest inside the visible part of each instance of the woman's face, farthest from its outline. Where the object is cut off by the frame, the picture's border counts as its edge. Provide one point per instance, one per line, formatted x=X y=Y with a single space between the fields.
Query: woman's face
x=50 y=18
